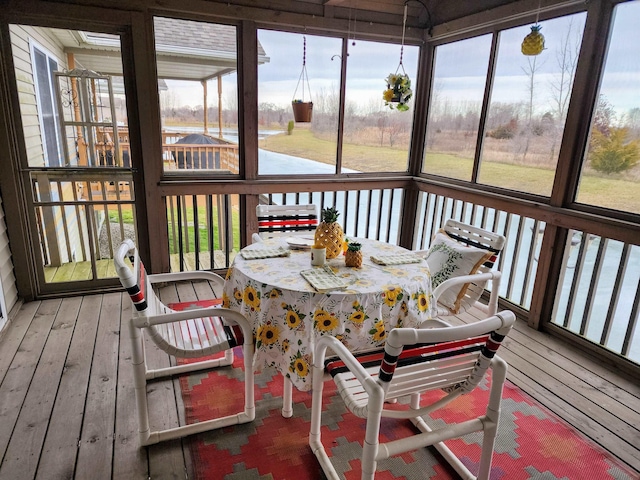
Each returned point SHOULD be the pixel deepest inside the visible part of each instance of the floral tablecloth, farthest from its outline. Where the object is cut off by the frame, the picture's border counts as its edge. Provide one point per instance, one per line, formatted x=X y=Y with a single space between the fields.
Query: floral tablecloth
x=288 y=315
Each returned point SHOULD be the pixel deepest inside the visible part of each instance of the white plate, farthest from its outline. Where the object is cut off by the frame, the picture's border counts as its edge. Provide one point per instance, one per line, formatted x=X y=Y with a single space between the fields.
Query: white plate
x=300 y=242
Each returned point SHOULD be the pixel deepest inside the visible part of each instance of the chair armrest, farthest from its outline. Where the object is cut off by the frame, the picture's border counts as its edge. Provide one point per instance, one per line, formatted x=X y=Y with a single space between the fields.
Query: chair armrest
x=191 y=314
x=433 y=323
x=183 y=276
x=462 y=279
x=346 y=356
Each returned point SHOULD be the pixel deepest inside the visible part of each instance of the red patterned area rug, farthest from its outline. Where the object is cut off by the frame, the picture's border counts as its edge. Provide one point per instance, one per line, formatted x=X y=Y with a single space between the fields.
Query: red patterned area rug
x=532 y=442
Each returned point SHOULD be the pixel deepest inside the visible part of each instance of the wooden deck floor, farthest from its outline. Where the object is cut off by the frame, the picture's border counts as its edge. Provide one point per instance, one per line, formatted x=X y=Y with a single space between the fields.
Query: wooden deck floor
x=67 y=406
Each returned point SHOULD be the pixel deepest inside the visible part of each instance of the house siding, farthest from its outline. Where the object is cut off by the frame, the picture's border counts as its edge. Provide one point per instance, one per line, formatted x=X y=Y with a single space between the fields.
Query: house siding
x=20 y=43
x=8 y=289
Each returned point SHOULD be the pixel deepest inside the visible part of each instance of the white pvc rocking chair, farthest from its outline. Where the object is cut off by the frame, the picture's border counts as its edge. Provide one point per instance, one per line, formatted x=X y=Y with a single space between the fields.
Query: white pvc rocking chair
x=455 y=360
x=192 y=333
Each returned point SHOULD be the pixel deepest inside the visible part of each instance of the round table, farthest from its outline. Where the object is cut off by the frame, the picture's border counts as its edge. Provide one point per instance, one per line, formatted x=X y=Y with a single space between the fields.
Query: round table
x=288 y=315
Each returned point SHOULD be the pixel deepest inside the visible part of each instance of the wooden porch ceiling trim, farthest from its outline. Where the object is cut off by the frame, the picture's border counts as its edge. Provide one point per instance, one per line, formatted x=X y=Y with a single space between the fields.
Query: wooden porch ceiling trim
x=295 y=16
x=511 y=14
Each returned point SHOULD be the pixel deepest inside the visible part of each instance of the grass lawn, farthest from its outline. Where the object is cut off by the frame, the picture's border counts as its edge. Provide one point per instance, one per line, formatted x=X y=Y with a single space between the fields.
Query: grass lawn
x=594 y=190
x=203 y=232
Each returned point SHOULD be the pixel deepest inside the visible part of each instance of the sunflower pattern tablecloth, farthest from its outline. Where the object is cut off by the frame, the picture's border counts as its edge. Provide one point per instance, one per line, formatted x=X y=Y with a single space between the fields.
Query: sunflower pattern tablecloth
x=288 y=315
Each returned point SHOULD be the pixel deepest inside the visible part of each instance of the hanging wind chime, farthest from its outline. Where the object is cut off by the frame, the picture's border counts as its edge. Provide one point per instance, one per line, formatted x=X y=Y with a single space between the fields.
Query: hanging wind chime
x=302 y=109
x=398 y=91
x=533 y=43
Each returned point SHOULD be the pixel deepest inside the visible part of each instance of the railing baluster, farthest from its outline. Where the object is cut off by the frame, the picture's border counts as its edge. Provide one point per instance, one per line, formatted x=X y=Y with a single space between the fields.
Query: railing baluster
x=633 y=322
x=530 y=259
x=595 y=279
x=577 y=276
x=179 y=203
x=516 y=256
x=390 y=215
x=357 y=229
x=196 y=232
x=615 y=294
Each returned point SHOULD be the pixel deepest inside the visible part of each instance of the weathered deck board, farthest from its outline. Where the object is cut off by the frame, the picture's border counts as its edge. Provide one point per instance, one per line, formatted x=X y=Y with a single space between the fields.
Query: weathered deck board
x=24 y=449
x=563 y=380
x=58 y=456
x=129 y=460
x=68 y=409
x=96 y=443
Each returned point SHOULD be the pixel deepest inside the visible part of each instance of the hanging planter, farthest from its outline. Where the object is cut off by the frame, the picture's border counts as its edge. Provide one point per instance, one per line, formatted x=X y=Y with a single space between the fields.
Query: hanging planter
x=302 y=108
x=398 y=91
x=302 y=111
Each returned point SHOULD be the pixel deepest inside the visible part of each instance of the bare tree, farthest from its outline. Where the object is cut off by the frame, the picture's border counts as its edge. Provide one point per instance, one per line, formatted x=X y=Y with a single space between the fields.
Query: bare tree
x=560 y=85
x=530 y=71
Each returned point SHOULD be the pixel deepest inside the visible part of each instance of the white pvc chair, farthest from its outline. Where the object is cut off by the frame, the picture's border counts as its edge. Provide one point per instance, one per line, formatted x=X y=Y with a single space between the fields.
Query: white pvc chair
x=455 y=361
x=475 y=283
x=192 y=333
x=279 y=220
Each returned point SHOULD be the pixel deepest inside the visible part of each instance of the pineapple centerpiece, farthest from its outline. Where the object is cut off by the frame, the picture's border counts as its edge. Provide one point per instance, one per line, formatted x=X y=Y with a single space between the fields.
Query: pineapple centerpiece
x=329 y=233
x=353 y=257
x=533 y=44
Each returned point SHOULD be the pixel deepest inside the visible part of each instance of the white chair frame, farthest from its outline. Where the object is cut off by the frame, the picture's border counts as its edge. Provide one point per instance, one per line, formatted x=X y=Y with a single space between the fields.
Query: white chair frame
x=366 y=389
x=309 y=214
x=165 y=327
x=478 y=237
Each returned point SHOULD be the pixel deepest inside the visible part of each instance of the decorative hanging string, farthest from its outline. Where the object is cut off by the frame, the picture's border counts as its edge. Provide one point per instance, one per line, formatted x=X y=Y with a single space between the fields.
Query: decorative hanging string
x=303 y=74
x=404 y=24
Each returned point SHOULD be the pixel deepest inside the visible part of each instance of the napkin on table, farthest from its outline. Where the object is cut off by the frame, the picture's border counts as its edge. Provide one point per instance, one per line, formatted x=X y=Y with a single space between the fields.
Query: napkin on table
x=256 y=253
x=396 y=259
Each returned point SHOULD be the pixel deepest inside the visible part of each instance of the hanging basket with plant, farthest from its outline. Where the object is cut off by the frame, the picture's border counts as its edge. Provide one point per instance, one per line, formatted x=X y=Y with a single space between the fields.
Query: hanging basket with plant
x=398 y=91
x=302 y=109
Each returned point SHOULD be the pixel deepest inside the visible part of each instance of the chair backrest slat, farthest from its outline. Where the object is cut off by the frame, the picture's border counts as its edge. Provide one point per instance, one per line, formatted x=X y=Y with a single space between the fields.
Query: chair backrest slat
x=476 y=237
x=274 y=220
x=446 y=364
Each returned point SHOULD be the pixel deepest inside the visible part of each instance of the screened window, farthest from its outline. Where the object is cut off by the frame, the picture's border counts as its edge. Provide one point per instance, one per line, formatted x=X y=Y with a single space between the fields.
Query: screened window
x=198 y=91
x=611 y=168
x=377 y=136
x=298 y=72
x=528 y=107
x=459 y=79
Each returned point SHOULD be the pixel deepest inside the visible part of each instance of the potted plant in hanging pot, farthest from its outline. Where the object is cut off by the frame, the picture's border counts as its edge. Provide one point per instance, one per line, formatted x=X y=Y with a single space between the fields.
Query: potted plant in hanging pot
x=302 y=110
x=398 y=92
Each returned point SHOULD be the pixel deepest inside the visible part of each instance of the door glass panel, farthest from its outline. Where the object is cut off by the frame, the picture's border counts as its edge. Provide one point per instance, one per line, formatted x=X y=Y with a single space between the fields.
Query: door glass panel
x=73 y=111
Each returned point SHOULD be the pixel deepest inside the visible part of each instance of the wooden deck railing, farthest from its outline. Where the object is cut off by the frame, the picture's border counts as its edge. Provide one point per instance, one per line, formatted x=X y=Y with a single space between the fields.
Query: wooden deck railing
x=602 y=308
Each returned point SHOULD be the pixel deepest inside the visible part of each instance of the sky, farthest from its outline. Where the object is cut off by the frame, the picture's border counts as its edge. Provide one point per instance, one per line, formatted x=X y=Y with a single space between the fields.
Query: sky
x=460 y=67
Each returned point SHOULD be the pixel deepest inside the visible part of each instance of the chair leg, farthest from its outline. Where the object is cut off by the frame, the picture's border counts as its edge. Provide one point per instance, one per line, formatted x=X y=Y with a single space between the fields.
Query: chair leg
x=371 y=438
x=140 y=383
x=249 y=387
x=140 y=374
x=315 y=440
x=287 y=395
